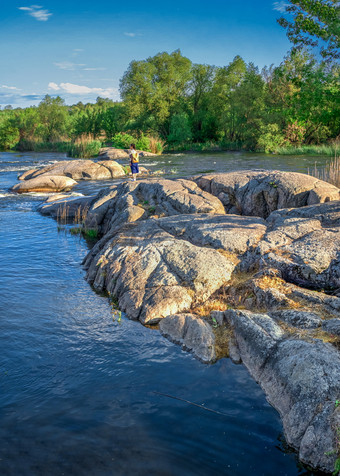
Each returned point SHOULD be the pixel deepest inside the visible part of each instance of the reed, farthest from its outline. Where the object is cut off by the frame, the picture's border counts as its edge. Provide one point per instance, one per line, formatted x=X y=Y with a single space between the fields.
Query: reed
x=329 y=173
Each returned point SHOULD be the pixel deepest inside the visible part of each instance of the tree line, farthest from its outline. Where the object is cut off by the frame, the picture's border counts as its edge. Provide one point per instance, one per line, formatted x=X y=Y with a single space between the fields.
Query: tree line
x=167 y=99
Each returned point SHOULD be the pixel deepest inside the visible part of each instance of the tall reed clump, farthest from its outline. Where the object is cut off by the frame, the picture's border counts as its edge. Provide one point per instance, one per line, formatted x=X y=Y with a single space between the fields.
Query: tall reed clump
x=156 y=144
x=84 y=147
x=330 y=173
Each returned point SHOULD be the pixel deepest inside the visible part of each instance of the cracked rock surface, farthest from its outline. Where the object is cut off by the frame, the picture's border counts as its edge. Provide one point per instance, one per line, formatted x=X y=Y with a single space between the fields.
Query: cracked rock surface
x=153 y=274
x=260 y=192
x=300 y=378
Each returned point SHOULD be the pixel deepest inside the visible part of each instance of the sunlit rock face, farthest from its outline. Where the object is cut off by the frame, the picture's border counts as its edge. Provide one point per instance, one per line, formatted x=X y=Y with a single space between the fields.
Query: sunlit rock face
x=260 y=192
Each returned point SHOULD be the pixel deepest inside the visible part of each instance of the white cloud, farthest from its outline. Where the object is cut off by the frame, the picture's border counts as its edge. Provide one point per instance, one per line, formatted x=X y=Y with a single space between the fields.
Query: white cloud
x=37 y=12
x=132 y=35
x=68 y=65
x=10 y=87
x=53 y=86
x=280 y=6
x=71 y=88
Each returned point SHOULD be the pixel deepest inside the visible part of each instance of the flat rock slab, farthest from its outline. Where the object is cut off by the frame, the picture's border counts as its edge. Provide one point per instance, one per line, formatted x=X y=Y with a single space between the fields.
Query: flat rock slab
x=79 y=170
x=298 y=318
x=67 y=207
x=45 y=184
x=112 y=153
x=192 y=333
x=260 y=192
x=304 y=245
x=154 y=274
x=131 y=201
x=301 y=380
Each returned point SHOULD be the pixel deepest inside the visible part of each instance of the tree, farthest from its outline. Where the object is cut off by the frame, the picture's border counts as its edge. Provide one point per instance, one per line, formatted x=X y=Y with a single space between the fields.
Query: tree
x=312 y=21
x=156 y=87
x=53 y=118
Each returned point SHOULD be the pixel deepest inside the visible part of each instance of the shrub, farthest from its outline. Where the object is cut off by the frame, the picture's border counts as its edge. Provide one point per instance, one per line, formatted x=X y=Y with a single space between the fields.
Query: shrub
x=122 y=140
x=295 y=133
x=271 y=138
x=143 y=143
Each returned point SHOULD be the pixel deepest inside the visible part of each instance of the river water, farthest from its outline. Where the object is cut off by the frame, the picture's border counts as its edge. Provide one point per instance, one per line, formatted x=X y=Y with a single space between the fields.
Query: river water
x=84 y=394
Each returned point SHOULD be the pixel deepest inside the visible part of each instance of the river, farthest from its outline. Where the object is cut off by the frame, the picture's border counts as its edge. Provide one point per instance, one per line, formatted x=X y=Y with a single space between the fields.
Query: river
x=84 y=394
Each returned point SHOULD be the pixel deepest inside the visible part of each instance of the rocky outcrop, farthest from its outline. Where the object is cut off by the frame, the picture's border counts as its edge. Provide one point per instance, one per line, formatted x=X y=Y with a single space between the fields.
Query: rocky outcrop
x=67 y=208
x=260 y=192
x=111 y=153
x=133 y=201
x=153 y=274
x=192 y=333
x=304 y=245
x=79 y=170
x=301 y=380
x=256 y=288
x=45 y=184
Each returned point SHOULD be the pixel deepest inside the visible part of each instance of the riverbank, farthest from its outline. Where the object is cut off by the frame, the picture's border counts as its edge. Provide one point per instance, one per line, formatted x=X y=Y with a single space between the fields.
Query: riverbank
x=307 y=150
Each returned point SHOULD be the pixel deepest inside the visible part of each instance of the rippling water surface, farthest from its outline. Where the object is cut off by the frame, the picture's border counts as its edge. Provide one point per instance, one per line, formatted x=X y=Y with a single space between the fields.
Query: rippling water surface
x=79 y=390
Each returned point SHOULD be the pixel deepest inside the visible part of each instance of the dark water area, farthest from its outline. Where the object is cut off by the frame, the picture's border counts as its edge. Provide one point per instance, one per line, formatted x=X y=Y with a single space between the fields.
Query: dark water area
x=79 y=391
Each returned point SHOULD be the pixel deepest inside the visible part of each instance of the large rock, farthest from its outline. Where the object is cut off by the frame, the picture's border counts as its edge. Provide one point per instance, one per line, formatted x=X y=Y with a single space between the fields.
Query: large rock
x=260 y=192
x=70 y=208
x=79 y=170
x=45 y=184
x=301 y=380
x=154 y=274
x=131 y=201
x=111 y=153
x=304 y=244
x=192 y=333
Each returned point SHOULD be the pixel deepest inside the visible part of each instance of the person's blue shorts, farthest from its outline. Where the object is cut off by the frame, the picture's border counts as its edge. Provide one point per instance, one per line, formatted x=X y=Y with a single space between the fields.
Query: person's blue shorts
x=134 y=168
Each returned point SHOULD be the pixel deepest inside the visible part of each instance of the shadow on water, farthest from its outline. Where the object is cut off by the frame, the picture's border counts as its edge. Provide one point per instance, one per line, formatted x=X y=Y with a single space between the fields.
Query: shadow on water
x=82 y=393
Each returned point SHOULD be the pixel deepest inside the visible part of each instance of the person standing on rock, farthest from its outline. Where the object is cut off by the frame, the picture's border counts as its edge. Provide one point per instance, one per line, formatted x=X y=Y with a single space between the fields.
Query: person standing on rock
x=134 y=160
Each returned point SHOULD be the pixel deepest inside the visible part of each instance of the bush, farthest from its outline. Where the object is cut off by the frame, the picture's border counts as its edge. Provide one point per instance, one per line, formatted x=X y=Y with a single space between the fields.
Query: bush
x=143 y=143
x=270 y=139
x=122 y=140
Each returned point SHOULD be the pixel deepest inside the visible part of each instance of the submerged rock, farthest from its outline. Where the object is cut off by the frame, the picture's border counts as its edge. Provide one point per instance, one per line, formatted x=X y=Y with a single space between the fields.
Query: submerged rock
x=260 y=192
x=45 y=184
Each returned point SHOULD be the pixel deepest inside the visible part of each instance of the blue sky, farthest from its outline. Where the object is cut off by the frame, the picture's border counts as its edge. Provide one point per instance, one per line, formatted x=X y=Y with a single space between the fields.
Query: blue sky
x=80 y=50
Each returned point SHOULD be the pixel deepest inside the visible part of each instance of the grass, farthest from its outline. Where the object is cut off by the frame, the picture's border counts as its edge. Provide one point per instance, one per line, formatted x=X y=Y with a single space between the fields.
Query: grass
x=83 y=147
x=329 y=150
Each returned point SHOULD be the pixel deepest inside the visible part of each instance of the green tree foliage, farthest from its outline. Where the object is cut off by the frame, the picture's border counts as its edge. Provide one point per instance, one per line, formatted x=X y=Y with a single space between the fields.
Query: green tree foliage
x=180 y=130
x=52 y=118
x=311 y=21
x=156 y=88
x=166 y=98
